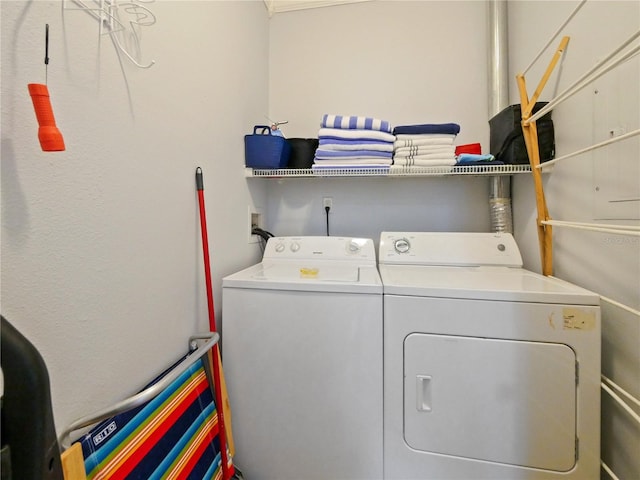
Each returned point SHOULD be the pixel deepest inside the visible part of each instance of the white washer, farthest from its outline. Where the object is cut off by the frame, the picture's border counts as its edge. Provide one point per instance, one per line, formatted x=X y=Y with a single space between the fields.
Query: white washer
x=490 y=371
x=302 y=355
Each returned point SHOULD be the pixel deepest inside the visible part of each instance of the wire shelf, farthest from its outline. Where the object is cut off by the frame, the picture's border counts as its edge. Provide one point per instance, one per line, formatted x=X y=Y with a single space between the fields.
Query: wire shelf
x=393 y=171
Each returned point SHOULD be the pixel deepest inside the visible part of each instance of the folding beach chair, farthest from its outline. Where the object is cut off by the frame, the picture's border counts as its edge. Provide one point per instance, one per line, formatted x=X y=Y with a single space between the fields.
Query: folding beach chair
x=169 y=430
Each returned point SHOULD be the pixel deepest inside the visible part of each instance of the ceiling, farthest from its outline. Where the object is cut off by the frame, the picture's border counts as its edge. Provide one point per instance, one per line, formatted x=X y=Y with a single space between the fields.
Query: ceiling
x=278 y=6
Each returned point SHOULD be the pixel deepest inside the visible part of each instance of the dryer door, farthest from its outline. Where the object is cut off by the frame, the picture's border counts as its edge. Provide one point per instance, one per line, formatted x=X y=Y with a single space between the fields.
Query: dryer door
x=505 y=401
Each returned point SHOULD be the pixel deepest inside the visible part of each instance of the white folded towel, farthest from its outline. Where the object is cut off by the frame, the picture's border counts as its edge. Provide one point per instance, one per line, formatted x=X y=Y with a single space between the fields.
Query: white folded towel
x=404 y=169
x=427 y=156
x=425 y=150
x=425 y=162
x=405 y=140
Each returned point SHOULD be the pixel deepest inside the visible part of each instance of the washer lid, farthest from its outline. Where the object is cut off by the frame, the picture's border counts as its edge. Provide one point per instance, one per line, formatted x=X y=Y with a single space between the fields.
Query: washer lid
x=308 y=276
x=308 y=271
x=326 y=264
x=482 y=283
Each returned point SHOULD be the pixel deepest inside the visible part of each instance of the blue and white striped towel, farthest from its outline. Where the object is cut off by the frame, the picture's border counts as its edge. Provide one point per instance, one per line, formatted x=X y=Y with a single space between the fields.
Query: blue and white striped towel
x=337 y=144
x=351 y=161
x=354 y=122
x=344 y=134
x=329 y=154
x=350 y=166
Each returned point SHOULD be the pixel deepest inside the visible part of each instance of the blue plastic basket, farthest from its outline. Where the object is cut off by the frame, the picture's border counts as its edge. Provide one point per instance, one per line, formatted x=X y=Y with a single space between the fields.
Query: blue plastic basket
x=264 y=150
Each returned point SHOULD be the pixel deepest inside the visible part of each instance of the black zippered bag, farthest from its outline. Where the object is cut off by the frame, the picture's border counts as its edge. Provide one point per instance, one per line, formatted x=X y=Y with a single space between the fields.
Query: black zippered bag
x=506 y=140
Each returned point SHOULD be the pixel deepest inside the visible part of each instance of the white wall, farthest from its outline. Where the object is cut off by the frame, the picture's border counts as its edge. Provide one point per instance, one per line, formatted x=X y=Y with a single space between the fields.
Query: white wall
x=101 y=252
x=405 y=62
x=605 y=263
x=419 y=62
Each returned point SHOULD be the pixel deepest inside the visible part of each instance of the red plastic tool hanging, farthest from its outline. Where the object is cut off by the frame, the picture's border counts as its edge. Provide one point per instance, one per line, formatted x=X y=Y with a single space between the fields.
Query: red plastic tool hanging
x=49 y=135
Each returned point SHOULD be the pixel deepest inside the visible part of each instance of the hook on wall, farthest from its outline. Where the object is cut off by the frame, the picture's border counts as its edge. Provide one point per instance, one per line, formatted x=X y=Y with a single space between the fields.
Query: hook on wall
x=121 y=21
x=46 y=53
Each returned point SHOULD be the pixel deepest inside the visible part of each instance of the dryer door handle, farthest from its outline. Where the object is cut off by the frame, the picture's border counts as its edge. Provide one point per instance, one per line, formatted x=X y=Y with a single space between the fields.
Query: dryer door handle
x=423 y=393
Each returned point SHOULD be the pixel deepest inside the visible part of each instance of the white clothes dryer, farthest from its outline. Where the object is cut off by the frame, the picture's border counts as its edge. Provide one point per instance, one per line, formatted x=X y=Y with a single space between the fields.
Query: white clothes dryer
x=490 y=371
x=302 y=355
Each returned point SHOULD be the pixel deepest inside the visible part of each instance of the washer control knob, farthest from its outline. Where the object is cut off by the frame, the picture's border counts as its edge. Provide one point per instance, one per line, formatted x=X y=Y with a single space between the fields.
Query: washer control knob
x=402 y=245
x=279 y=247
x=353 y=247
x=295 y=246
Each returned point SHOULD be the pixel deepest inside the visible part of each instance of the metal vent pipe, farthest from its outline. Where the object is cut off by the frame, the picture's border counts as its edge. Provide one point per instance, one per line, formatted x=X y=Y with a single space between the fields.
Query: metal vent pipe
x=498 y=73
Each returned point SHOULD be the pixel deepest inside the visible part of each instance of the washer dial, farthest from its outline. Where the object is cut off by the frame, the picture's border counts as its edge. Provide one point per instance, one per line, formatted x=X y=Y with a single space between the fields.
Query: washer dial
x=402 y=245
x=353 y=247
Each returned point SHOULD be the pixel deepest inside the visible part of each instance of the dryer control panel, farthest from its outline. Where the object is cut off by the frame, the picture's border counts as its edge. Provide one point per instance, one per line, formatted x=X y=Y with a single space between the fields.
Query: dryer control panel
x=361 y=250
x=449 y=249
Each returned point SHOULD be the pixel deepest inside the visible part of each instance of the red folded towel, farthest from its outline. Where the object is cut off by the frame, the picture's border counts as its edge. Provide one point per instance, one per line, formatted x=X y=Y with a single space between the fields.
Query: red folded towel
x=473 y=148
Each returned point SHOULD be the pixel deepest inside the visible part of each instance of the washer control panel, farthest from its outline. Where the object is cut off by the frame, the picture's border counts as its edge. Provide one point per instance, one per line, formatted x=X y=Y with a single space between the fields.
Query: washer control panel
x=321 y=248
x=449 y=248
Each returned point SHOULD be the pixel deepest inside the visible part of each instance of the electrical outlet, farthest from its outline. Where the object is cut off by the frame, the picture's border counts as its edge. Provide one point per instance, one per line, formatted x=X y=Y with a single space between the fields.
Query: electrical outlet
x=327 y=202
x=255 y=219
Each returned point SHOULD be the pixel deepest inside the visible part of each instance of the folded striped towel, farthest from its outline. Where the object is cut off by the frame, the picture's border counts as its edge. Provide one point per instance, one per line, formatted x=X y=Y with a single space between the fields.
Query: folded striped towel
x=336 y=144
x=403 y=169
x=427 y=156
x=321 y=169
x=355 y=134
x=449 y=128
x=331 y=154
x=316 y=166
x=425 y=150
x=351 y=161
x=424 y=139
x=424 y=162
x=355 y=123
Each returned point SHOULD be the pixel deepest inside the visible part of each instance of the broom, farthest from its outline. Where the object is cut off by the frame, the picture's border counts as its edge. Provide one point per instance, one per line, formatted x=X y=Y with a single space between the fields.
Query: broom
x=218 y=378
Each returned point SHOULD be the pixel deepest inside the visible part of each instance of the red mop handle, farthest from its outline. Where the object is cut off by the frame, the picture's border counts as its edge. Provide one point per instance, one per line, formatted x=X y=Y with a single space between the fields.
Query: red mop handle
x=48 y=134
x=205 y=249
x=212 y=326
